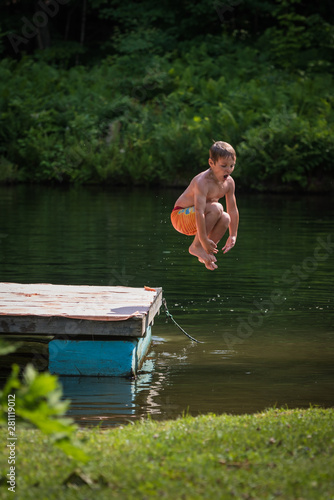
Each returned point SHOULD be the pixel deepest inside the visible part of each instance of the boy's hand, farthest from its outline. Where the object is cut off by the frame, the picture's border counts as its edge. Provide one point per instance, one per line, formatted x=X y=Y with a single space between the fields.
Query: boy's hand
x=229 y=243
x=210 y=247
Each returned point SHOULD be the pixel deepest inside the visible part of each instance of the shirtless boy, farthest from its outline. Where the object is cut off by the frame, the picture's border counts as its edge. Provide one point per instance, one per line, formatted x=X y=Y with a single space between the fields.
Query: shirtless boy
x=198 y=211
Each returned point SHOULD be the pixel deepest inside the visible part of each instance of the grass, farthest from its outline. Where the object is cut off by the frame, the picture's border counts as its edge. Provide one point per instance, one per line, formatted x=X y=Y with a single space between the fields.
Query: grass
x=280 y=453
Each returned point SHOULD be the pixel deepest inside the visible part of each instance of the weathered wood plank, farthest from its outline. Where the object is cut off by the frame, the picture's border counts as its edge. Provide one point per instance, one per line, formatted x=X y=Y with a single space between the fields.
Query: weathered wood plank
x=86 y=302
x=70 y=327
x=69 y=310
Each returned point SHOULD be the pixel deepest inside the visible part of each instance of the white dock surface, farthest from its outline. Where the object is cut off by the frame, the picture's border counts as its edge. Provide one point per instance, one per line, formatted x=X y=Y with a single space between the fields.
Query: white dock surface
x=76 y=302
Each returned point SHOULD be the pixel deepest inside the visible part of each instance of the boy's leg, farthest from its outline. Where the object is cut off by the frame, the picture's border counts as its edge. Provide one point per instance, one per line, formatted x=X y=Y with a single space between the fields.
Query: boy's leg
x=217 y=221
x=198 y=251
x=222 y=223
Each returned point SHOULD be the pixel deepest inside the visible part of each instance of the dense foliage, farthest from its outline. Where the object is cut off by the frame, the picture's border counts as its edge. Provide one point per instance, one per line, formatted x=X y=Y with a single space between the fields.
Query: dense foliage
x=135 y=92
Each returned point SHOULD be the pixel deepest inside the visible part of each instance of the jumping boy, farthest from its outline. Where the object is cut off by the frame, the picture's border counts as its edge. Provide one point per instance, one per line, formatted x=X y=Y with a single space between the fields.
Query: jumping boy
x=198 y=212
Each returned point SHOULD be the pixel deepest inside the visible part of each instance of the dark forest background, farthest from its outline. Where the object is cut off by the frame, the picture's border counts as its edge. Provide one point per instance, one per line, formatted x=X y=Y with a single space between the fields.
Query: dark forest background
x=135 y=92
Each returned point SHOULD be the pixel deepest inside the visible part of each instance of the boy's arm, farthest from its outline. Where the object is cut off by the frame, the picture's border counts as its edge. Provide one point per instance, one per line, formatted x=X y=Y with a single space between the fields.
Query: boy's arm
x=232 y=210
x=200 y=205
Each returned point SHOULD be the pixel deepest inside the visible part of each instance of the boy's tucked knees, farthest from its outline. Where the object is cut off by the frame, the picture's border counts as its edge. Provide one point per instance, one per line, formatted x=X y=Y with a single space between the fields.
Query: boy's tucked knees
x=226 y=218
x=215 y=207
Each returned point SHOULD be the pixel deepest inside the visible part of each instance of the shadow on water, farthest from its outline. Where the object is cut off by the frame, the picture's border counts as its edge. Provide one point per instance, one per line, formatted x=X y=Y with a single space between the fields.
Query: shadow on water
x=265 y=315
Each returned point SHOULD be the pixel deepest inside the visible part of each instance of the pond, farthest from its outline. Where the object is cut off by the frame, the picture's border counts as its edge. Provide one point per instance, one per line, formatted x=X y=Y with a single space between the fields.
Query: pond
x=265 y=316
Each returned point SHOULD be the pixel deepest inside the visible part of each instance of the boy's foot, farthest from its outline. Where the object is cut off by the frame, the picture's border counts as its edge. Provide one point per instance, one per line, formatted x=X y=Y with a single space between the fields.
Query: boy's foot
x=212 y=266
x=203 y=257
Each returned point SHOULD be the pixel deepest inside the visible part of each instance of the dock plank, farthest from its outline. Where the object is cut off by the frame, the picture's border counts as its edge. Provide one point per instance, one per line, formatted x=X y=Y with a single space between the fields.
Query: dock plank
x=77 y=309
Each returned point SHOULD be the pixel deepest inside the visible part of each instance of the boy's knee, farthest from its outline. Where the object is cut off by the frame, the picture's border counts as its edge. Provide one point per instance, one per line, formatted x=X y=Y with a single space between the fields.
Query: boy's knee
x=226 y=218
x=216 y=208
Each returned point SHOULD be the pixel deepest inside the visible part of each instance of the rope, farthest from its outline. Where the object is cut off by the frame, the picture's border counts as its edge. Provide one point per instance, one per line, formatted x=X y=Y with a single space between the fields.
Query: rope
x=168 y=314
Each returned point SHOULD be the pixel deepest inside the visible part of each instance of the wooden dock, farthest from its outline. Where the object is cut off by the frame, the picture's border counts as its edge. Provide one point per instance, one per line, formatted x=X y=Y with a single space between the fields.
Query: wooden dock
x=97 y=330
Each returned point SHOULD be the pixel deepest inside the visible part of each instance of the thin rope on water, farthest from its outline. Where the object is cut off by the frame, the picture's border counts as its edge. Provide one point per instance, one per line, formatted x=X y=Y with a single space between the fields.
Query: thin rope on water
x=168 y=314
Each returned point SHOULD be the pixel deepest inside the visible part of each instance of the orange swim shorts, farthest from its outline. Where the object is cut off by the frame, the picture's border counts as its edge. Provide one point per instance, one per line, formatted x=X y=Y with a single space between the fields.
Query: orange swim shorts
x=184 y=220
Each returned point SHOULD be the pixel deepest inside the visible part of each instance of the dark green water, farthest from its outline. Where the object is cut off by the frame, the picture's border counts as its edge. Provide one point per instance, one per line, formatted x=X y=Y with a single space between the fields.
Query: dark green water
x=265 y=315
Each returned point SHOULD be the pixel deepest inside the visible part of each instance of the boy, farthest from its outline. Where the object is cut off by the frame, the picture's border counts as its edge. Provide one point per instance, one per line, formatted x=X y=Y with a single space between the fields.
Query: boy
x=198 y=212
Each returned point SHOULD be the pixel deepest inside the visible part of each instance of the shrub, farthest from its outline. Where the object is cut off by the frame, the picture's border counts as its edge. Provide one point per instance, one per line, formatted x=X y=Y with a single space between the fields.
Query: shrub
x=142 y=118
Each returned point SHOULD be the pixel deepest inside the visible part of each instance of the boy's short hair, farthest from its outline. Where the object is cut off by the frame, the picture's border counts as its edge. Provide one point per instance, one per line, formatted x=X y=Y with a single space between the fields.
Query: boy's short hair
x=221 y=149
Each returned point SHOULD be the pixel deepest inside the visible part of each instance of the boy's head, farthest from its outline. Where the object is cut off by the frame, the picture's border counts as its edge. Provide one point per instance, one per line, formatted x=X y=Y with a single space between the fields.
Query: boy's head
x=221 y=149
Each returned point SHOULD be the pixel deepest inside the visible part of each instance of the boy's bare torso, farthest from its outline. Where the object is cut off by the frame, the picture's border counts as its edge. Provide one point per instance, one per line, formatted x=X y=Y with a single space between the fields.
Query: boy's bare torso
x=206 y=185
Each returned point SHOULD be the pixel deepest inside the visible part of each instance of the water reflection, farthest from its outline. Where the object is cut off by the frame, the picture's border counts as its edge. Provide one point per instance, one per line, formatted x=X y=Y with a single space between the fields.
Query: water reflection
x=258 y=350
x=98 y=399
x=114 y=400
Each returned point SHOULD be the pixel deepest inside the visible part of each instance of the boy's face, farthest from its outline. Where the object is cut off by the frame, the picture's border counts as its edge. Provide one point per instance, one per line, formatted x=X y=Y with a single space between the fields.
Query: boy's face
x=222 y=168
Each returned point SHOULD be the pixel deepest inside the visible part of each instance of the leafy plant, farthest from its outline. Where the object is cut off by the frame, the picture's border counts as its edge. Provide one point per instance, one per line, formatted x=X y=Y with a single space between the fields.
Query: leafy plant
x=146 y=118
x=38 y=402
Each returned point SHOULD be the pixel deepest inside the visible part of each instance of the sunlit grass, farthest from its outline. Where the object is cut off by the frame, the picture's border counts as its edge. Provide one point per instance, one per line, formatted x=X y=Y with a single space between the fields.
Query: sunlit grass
x=274 y=454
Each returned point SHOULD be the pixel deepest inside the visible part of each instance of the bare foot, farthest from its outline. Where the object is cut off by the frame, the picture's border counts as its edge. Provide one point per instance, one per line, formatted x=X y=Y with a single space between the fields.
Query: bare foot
x=203 y=257
x=210 y=265
x=199 y=252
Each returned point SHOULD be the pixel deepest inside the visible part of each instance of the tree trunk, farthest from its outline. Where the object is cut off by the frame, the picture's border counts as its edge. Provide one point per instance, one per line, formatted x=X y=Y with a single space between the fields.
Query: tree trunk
x=83 y=26
x=43 y=32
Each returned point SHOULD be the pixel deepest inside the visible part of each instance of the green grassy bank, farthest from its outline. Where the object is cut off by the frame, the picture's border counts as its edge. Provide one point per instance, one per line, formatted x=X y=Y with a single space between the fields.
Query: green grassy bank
x=285 y=454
